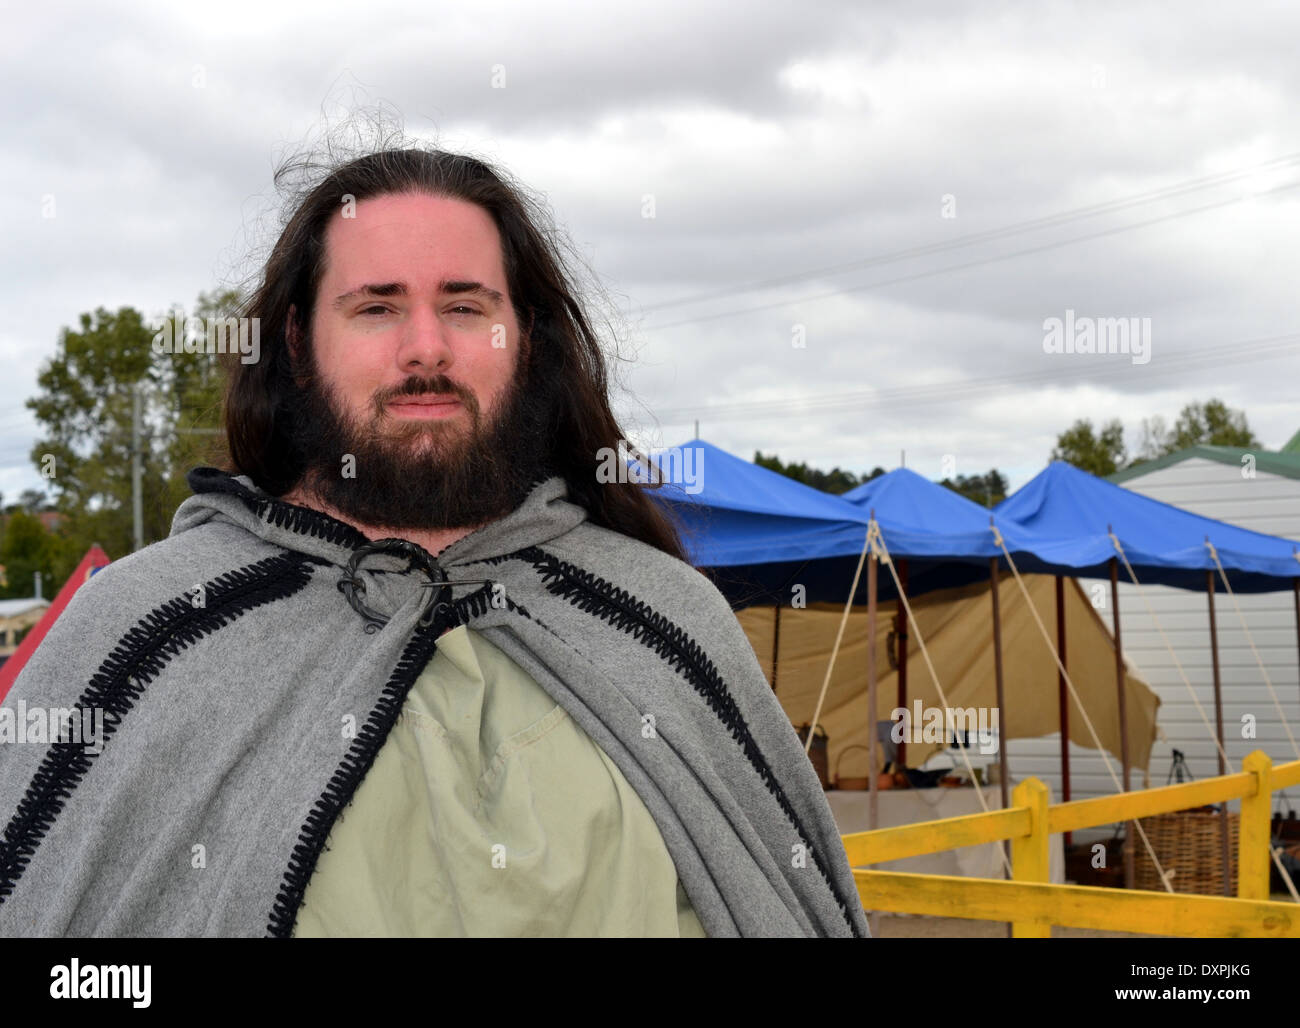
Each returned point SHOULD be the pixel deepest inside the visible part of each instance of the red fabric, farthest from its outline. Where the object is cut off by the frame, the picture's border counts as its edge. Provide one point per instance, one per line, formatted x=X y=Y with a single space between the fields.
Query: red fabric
x=94 y=559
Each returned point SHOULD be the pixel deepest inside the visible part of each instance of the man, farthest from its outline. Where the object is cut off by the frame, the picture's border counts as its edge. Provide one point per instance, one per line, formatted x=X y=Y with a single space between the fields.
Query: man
x=410 y=667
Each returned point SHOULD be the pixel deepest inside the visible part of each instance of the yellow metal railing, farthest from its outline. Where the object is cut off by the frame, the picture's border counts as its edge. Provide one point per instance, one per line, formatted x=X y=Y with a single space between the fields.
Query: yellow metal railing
x=1033 y=905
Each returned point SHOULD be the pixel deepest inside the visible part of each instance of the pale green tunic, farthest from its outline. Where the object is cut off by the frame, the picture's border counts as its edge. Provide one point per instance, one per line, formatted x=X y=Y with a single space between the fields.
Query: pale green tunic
x=489 y=812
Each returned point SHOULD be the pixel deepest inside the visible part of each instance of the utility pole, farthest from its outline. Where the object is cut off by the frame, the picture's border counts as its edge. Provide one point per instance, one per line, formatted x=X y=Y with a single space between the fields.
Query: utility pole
x=37 y=575
x=137 y=472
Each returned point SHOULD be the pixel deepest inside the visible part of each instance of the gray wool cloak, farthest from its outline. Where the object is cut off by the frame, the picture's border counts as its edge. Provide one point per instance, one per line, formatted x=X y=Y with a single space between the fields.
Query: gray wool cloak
x=226 y=659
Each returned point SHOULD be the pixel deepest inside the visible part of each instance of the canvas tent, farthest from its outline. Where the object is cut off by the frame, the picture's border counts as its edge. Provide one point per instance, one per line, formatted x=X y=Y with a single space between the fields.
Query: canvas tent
x=955 y=625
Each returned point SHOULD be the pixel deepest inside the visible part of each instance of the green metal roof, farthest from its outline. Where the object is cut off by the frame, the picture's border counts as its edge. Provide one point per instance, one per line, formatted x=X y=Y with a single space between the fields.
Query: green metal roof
x=1285 y=462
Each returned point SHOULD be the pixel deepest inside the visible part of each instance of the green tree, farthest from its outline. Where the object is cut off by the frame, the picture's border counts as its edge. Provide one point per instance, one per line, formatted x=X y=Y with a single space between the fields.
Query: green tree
x=193 y=406
x=1101 y=453
x=834 y=481
x=986 y=490
x=26 y=547
x=1212 y=423
x=85 y=407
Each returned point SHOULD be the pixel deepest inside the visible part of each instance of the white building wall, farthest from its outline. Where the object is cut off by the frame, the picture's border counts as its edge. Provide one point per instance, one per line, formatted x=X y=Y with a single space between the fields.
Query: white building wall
x=1266 y=503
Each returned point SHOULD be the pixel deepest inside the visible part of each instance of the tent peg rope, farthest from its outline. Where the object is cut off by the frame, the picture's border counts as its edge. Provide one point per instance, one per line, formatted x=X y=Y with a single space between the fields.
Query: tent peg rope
x=925 y=653
x=1214 y=735
x=844 y=620
x=1069 y=682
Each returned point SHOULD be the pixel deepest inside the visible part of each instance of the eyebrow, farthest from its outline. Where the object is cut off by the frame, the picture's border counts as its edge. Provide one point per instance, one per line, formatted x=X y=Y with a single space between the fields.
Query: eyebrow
x=452 y=286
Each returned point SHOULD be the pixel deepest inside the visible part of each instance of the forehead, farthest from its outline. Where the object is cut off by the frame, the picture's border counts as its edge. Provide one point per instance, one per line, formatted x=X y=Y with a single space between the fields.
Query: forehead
x=413 y=237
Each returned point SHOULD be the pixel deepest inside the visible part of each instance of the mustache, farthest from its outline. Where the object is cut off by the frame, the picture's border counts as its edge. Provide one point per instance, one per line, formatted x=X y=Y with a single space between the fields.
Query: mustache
x=414 y=385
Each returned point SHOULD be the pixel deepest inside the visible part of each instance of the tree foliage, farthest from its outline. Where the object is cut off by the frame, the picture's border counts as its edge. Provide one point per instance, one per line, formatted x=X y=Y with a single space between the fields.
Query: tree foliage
x=84 y=405
x=834 y=481
x=1212 y=423
x=26 y=547
x=1100 y=452
x=987 y=490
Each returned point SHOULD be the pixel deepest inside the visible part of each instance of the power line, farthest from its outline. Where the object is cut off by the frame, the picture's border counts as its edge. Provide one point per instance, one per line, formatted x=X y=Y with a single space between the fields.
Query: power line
x=1047 y=221
x=1241 y=352
x=969 y=264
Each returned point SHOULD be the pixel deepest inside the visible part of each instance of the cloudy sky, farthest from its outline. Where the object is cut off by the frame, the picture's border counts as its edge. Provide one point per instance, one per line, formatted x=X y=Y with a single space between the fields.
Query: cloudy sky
x=863 y=213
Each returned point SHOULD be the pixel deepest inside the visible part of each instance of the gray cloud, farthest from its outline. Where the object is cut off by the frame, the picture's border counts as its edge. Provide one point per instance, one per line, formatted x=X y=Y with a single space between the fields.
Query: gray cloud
x=776 y=141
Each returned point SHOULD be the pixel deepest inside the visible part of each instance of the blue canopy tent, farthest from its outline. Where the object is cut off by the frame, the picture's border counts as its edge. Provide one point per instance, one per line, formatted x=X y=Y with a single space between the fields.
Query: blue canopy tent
x=1165 y=545
x=1070 y=513
x=941 y=538
x=758 y=533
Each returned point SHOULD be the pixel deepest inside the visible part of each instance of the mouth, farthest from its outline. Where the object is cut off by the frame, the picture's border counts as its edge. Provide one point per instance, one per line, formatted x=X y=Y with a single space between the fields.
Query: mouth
x=425 y=406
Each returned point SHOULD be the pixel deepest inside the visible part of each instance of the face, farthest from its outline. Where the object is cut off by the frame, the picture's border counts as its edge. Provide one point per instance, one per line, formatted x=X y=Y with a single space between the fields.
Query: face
x=410 y=368
x=415 y=287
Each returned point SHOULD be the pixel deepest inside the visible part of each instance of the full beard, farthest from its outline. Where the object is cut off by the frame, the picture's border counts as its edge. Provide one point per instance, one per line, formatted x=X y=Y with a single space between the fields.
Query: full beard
x=421 y=474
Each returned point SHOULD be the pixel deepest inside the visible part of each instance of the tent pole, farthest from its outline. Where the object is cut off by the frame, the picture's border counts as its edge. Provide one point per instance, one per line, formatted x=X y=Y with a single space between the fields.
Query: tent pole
x=901 y=619
x=1002 y=710
x=997 y=671
x=873 y=806
x=1218 y=728
x=872 y=700
x=1062 y=696
x=1002 y=706
x=1123 y=716
x=1296 y=585
x=776 y=641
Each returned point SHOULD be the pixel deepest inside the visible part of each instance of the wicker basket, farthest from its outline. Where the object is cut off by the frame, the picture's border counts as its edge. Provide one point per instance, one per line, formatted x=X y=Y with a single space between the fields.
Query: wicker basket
x=850 y=783
x=1188 y=842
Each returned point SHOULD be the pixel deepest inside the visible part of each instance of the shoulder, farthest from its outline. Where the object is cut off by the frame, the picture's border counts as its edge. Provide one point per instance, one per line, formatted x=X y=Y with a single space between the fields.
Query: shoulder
x=136 y=588
x=174 y=566
x=620 y=562
x=651 y=593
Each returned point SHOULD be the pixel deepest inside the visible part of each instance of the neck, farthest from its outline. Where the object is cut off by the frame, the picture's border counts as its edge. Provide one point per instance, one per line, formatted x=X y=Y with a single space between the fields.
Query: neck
x=433 y=540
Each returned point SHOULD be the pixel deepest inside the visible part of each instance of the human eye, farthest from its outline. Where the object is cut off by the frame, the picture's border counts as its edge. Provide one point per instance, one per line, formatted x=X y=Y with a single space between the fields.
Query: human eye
x=373 y=310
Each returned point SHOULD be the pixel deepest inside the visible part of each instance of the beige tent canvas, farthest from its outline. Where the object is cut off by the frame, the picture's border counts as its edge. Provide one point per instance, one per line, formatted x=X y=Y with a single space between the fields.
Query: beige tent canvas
x=957 y=626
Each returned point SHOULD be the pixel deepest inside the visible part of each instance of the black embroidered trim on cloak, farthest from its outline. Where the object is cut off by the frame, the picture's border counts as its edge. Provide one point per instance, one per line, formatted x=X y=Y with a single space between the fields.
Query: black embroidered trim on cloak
x=139 y=657
x=273 y=511
x=347 y=777
x=595 y=595
x=479 y=602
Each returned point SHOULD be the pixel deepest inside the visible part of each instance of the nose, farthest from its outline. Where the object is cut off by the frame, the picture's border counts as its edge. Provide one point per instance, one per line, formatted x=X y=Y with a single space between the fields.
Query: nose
x=423 y=345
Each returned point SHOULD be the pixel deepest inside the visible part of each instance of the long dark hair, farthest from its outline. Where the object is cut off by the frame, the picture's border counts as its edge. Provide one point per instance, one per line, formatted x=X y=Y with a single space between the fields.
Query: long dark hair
x=564 y=353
